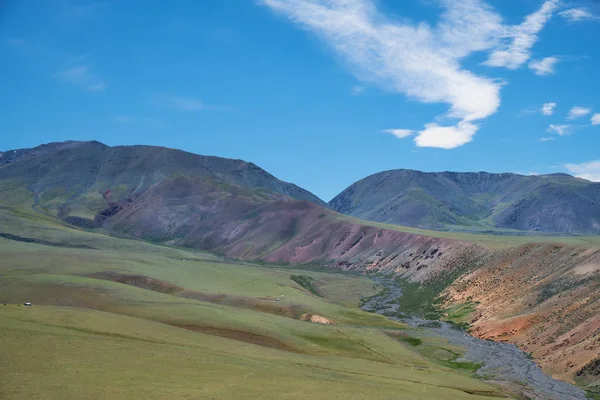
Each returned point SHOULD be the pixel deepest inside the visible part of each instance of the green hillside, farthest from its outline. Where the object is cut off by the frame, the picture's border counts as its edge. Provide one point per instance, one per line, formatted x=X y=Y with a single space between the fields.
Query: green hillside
x=119 y=318
x=505 y=203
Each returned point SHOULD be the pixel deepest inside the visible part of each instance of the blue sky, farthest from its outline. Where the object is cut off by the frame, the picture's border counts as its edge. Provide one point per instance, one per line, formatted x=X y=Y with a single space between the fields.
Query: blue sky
x=318 y=92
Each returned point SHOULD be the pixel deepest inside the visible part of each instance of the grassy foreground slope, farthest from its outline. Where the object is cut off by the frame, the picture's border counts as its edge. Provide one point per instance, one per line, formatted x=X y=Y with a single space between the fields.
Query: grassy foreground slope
x=118 y=318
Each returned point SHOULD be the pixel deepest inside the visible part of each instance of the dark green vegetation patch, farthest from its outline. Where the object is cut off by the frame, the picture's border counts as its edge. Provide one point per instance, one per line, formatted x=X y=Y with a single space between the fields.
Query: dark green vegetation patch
x=306 y=282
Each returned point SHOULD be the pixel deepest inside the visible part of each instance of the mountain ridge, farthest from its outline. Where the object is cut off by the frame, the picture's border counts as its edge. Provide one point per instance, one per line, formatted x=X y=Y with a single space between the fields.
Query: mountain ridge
x=551 y=203
x=166 y=160
x=239 y=213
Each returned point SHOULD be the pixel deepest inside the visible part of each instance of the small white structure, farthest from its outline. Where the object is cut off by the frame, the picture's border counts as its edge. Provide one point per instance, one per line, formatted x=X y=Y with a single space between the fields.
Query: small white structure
x=28 y=304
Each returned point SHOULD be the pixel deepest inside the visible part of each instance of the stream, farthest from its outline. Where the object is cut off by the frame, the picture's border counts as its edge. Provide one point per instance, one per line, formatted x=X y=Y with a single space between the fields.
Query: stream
x=500 y=361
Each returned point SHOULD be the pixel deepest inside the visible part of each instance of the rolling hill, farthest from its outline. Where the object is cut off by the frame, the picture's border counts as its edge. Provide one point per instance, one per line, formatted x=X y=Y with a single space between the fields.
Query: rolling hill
x=475 y=201
x=235 y=209
x=124 y=171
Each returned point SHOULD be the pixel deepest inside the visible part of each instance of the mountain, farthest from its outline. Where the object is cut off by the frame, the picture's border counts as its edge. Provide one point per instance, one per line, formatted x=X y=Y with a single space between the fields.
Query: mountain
x=89 y=172
x=478 y=201
x=236 y=209
x=227 y=206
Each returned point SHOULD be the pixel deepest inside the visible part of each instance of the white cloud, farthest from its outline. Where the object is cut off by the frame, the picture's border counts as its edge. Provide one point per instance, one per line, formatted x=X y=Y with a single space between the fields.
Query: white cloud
x=546 y=139
x=128 y=119
x=548 y=108
x=578 y=14
x=562 y=130
x=446 y=137
x=522 y=38
x=468 y=26
x=418 y=61
x=589 y=170
x=544 y=66
x=596 y=119
x=187 y=104
x=421 y=61
x=81 y=76
x=399 y=133
x=357 y=89
x=578 y=112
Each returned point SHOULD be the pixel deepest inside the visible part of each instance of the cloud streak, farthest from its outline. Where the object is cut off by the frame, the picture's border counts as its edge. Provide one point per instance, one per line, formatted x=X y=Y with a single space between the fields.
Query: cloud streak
x=578 y=15
x=184 y=104
x=588 y=170
x=188 y=104
x=562 y=130
x=544 y=66
x=596 y=119
x=578 y=112
x=420 y=61
x=129 y=119
x=82 y=76
x=400 y=133
x=522 y=38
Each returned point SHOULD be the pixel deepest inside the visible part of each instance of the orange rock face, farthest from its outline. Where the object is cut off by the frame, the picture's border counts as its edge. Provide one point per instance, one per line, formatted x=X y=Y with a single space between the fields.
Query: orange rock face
x=543 y=298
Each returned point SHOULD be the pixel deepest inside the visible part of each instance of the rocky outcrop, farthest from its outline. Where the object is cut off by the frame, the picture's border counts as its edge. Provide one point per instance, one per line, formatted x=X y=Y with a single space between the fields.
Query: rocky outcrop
x=544 y=297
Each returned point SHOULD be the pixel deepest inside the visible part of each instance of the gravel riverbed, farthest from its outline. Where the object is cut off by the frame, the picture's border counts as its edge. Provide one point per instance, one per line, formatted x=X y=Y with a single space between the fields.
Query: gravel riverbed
x=500 y=361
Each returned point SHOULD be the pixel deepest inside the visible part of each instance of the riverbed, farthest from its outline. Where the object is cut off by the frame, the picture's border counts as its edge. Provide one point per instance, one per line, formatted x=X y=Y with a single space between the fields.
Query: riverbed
x=501 y=362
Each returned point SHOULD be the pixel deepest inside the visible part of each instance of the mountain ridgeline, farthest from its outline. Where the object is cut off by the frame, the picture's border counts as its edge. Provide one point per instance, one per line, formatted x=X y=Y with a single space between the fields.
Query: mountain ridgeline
x=88 y=183
x=475 y=201
x=93 y=165
x=236 y=209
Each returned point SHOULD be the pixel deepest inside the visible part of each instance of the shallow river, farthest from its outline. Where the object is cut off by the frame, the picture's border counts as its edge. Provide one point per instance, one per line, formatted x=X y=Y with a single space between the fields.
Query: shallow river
x=501 y=361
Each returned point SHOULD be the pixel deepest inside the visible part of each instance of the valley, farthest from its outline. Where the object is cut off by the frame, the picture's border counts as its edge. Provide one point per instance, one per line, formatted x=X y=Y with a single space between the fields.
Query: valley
x=139 y=254
x=122 y=318
x=495 y=361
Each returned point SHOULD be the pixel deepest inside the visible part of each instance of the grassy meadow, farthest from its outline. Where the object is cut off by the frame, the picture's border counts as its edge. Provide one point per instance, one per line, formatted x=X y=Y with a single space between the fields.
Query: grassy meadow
x=114 y=318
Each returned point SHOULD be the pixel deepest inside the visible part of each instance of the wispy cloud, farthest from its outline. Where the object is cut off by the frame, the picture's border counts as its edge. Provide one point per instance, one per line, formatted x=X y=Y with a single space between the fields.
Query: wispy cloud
x=588 y=170
x=129 y=119
x=81 y=76
x=546 y=139
x=189 y=104
x=578 y=14
x=357 y=89
x=400 y=133
x=421 y=61
x=578 y=112
x=596 y=119
x=522 y=38
x=544 y=66
x=562 y=130
x=548 y=108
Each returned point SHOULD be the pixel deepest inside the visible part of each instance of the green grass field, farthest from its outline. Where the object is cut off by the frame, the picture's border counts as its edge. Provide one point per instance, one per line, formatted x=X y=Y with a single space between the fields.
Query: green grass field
x=124 y=319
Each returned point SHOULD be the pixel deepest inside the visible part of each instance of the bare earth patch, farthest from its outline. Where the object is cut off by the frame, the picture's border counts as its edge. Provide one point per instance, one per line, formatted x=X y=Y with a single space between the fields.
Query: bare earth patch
x=317 y=319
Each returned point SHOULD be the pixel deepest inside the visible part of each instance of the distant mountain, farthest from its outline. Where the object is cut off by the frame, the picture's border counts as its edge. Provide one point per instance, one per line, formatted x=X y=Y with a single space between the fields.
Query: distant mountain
x=88 y=171
x=234 y=208
x=478 y=201
x=169 y=196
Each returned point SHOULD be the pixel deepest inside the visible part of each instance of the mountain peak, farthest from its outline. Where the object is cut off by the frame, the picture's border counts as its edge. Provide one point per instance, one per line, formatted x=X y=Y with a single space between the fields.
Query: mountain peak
x=502 y=202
